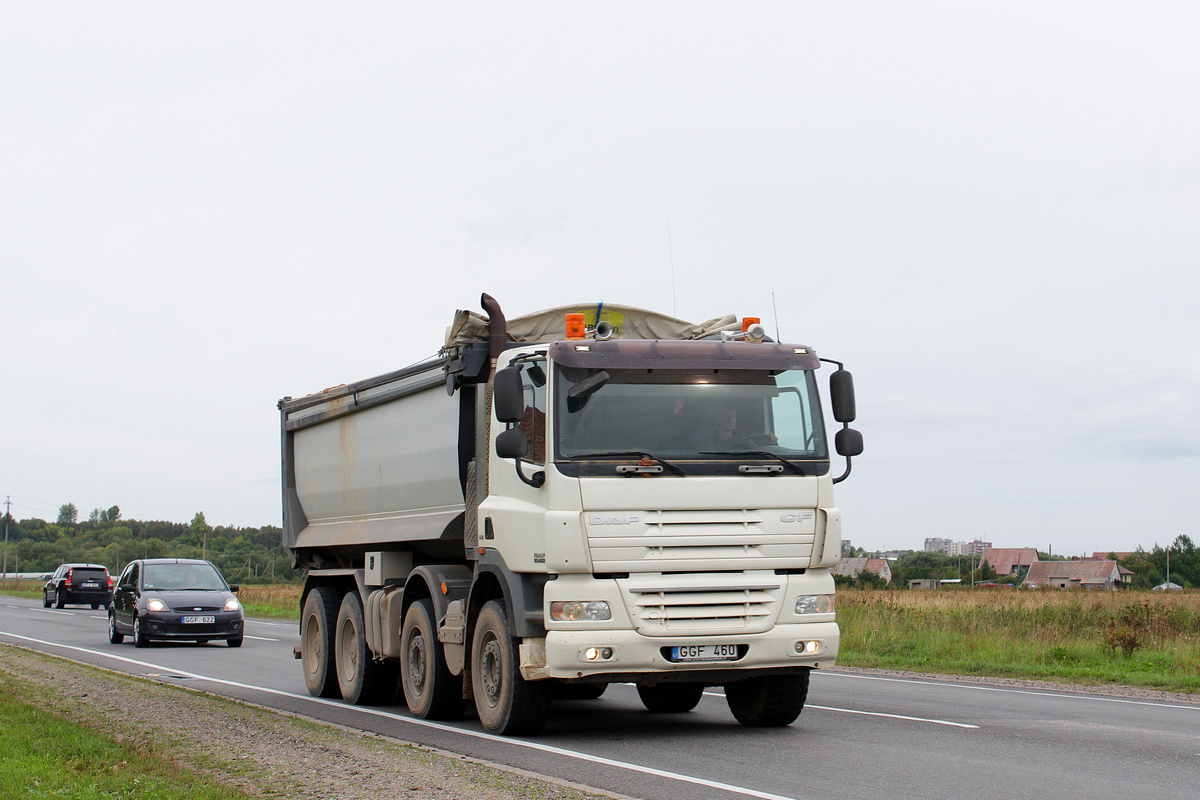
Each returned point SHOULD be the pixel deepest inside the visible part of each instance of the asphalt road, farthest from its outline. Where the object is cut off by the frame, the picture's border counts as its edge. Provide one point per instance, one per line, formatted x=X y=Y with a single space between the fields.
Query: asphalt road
x=860 y=736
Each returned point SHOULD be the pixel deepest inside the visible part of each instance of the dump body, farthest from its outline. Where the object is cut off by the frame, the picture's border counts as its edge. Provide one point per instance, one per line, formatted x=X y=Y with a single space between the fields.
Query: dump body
x=374 y=466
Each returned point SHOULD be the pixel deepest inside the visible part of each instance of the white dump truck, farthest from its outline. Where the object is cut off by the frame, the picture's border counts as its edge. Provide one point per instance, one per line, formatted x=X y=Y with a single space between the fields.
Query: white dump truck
x=577 y=497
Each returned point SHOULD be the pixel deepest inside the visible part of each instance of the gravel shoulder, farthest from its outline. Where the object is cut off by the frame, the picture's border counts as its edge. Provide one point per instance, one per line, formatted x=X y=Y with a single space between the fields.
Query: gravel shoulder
x=263 y=752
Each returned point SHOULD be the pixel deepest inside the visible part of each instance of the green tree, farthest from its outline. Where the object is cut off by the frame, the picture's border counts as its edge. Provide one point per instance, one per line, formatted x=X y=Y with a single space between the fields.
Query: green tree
x=112 y=514
x=68 y=514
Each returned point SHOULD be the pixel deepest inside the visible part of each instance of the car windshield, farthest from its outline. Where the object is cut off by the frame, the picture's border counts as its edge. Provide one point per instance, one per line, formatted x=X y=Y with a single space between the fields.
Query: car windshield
x=705 y=414
x=179 y=577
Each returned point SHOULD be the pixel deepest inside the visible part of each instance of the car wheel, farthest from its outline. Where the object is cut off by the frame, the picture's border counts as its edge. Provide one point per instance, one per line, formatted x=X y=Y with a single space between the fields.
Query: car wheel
x=139 y=633
x=234 y=642
x=62 y=599
x=46 y=599
x=95 y=606
x=114 y=635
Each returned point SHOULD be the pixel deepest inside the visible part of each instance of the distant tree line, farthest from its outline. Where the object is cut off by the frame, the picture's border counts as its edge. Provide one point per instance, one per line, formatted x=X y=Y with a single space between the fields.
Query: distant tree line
x=244 y=555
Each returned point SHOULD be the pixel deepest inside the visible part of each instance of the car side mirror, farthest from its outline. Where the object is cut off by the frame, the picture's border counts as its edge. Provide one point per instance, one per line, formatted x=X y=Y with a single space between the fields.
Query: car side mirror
x=233 y=587
x=127 y=587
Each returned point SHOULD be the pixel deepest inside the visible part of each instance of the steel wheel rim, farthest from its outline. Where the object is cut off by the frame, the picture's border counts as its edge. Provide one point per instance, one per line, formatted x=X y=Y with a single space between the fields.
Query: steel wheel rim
x=417 y=663
x=490 y=670
x=313 y=646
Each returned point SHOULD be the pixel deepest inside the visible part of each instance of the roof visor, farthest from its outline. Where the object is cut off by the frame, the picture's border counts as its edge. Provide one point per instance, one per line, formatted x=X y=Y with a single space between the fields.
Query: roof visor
x=673 y=354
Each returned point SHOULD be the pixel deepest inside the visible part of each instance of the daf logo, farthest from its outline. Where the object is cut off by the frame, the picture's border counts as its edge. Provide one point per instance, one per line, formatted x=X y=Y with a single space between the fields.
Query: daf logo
x=795 y=516
x=612 y=519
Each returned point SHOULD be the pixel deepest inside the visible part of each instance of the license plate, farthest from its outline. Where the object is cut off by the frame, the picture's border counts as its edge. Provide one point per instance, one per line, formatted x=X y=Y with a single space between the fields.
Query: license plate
x=705 y=652
x=199 y=620
x=91 y=586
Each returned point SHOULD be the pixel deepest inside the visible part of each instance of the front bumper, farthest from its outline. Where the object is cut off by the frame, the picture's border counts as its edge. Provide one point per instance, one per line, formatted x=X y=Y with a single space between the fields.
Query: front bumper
x=565 y=653
x=169 y=625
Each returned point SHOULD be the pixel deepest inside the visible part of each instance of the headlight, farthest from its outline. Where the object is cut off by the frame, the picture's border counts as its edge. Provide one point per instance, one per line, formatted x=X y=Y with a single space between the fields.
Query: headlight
x=232 y=604
x=155 y=604
x=814 y=604
x=578 y=611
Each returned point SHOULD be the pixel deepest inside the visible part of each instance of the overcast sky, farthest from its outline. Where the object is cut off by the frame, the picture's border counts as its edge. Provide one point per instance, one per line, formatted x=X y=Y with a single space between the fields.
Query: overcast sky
x=989 y=211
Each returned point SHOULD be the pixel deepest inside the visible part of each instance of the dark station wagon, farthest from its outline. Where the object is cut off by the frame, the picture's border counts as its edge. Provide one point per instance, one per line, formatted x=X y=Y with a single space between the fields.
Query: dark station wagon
x=78 y=584
x=174 y=599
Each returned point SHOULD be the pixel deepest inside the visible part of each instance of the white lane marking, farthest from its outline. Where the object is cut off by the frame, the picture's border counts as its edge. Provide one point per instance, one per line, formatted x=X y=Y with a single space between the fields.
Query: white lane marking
x=52 y=611
x=822 y=673
x=375 y=712
x=894 y=716
x=875 y=714
x=260 y=638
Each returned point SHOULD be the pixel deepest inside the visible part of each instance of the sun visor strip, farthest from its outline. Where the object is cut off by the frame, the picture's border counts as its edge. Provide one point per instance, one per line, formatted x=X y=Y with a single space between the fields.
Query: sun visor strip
x=667 y=354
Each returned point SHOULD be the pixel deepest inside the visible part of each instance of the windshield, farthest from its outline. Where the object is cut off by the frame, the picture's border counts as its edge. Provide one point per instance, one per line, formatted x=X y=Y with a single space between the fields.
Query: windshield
x=701 y=413
x=177 y=577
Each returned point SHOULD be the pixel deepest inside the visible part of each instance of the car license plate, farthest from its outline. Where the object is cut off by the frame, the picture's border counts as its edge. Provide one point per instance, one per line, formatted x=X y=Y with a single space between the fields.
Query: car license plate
x=92 y=585
x=199 y=620
x=705 y=652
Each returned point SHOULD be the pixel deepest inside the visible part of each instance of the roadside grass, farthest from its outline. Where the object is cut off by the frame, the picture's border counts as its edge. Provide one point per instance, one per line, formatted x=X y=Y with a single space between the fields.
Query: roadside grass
x=1131 y=638
x=45 y=755
x=268 y=600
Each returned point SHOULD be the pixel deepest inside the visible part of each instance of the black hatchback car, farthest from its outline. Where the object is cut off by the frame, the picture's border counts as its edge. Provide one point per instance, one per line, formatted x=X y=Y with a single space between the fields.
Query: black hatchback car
x=173 y=599
x=78 y=584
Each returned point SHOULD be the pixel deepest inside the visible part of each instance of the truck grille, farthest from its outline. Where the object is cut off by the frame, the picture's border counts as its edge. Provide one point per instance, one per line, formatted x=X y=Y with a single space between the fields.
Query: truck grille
x=675 y=605
x=697 y=541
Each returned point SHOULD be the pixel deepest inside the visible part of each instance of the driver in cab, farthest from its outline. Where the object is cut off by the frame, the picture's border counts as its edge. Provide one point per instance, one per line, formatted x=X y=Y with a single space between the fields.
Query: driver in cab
x=725 y=431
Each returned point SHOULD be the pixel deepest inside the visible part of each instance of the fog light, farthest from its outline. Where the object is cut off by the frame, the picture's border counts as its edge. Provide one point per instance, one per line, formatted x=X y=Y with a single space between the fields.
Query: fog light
x=807 y=648
x=597 y=654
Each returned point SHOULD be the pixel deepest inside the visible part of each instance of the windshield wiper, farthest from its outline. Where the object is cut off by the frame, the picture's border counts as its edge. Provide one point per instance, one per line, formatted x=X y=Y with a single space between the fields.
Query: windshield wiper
x=650 y=456
x=766 y=453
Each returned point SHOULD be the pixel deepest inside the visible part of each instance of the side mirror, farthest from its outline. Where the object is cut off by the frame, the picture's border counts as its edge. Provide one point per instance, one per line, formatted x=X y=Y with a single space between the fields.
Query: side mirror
x=848 y=442
x=233 y=587
x=511 y=443
x=127 y=587
x=841 y=395
x=507 y=396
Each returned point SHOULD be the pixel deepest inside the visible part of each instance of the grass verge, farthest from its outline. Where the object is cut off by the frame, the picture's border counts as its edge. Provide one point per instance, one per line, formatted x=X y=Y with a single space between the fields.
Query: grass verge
x=1143 y=639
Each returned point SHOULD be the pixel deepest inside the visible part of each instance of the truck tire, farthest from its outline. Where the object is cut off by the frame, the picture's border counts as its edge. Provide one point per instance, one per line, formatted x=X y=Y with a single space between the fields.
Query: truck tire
x=362 y=679
x=317 y=624
x=429 y=689
x=671 y=698
x=506 y=702
x=771 y=701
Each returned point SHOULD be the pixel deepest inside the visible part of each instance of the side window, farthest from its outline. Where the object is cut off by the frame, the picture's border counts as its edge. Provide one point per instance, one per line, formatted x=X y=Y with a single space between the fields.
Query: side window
x=132 y=574
x=533 y=418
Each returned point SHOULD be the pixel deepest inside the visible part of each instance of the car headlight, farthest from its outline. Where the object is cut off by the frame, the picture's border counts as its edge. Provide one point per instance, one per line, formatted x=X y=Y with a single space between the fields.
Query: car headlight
x=232 y=604
x=579 y=611
x=155 y=604
x=814 y=604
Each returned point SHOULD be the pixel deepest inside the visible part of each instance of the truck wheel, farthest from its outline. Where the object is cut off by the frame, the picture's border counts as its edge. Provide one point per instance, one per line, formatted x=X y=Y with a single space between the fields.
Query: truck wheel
x=360 y=677
x=114 y=635
x=771 y=701
x=429 y=689
x=317 y=624
x=578 y=691
x=506 y=702
x=671 y=698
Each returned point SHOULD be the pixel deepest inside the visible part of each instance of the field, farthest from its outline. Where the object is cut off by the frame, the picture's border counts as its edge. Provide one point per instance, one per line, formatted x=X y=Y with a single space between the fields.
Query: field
x=1145 y=639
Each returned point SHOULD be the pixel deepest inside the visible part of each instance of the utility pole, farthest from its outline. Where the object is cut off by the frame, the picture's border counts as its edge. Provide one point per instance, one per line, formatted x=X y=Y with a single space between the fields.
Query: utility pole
x=7 y=507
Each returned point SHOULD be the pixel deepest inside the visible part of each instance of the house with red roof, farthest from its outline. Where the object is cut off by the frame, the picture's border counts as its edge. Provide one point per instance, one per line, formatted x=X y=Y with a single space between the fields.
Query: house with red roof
x=1089 y=574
